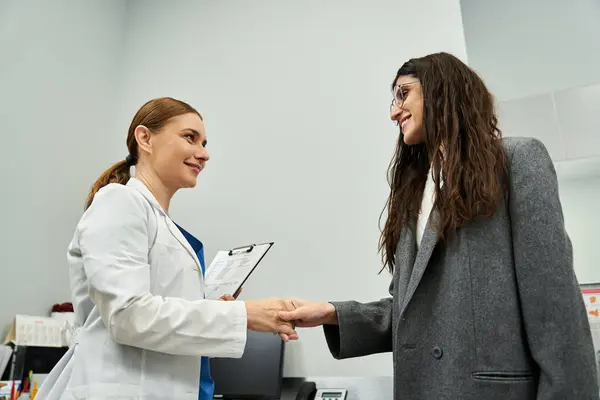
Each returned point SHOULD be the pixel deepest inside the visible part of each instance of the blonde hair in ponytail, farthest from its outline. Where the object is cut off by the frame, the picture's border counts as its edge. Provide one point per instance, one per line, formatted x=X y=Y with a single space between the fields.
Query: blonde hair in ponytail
x=153 y=115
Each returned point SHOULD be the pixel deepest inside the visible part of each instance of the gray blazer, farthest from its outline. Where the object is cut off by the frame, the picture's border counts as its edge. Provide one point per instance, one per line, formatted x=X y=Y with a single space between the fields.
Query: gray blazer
x=494 y=313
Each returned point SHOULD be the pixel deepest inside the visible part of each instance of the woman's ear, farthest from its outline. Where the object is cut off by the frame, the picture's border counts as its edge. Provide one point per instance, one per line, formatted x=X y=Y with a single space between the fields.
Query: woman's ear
x=142 y=137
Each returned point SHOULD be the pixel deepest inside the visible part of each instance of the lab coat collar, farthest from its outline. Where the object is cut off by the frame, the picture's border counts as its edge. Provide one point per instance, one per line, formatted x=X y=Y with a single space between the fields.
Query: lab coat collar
x=143 y=189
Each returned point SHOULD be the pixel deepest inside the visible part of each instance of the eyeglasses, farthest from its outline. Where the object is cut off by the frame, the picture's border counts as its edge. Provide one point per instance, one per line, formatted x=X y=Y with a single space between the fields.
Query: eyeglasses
x=399 y=95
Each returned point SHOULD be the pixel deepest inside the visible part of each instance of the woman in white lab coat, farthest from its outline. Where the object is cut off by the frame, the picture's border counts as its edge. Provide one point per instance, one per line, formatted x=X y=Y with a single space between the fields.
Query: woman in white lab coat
x=143 y=324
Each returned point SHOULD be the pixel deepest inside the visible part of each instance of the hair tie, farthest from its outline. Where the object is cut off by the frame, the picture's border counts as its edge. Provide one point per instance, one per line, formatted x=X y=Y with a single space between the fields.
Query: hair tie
x=130 y=160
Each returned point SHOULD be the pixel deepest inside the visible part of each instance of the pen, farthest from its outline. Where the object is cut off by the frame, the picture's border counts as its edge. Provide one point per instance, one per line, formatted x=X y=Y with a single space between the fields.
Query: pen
x=34 y=390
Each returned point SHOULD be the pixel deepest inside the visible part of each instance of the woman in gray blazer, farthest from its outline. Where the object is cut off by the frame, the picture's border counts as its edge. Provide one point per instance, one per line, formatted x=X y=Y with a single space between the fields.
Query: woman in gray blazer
x=484 y=300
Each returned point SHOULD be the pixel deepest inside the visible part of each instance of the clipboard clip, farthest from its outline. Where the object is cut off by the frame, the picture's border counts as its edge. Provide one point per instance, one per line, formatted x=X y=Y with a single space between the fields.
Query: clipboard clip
x=237 y=250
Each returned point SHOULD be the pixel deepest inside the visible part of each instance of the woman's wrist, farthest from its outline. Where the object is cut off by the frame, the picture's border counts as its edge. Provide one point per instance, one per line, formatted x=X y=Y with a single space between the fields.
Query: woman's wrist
x=332 y=318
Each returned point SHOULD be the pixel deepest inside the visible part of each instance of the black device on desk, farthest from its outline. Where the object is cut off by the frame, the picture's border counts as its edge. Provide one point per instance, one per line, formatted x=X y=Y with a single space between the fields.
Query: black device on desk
x=257 y=375
x=309 y=391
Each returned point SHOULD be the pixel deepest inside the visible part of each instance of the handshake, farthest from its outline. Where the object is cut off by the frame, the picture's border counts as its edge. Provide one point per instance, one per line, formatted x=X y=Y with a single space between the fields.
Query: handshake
x=283 y=316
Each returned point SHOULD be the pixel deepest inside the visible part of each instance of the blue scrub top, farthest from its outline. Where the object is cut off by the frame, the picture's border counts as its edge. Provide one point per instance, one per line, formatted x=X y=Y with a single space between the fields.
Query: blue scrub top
x=207 y=385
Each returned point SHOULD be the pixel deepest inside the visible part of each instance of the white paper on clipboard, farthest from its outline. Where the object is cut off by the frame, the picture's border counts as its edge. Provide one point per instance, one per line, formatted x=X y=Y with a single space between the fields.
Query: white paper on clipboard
x=230 y=268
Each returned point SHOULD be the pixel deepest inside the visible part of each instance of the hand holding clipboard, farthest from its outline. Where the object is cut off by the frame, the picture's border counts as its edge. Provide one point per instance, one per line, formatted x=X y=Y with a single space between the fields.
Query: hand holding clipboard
x=231 y=268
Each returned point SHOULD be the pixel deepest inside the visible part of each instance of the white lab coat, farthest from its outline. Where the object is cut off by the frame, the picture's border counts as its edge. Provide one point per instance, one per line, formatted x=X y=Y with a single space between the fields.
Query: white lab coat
x=138 y=295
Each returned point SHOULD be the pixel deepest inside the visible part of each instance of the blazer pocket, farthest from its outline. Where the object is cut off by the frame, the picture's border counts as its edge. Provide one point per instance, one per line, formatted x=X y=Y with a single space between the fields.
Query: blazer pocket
x=502 y=376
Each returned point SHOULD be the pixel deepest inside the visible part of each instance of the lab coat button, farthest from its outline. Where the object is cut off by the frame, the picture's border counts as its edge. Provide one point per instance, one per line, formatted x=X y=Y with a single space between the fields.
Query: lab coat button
x=437 y=352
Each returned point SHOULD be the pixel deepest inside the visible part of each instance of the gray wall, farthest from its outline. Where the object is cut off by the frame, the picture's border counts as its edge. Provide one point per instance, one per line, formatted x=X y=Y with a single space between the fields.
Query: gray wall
x=58 y=78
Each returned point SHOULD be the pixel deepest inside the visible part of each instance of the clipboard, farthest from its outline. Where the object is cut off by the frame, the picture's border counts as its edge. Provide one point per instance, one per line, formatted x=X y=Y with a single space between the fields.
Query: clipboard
x=230 y=269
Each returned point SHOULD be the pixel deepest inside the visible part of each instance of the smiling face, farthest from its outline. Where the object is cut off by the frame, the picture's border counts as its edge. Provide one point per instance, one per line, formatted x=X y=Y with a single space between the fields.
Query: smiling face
x=177 y=153
x=407 y=108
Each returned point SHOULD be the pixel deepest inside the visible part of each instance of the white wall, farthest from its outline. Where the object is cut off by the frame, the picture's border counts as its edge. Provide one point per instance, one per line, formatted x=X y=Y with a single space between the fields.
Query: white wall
x=58 y=75
x=530 y=47
x=542 y=61
x=580 y=197
x=295 y=98
x=296 y=101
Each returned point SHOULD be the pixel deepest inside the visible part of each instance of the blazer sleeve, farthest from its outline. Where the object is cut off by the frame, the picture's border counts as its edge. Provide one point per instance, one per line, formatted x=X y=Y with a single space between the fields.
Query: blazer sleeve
x=113 y=245
x=555 y=319
x=363 y=328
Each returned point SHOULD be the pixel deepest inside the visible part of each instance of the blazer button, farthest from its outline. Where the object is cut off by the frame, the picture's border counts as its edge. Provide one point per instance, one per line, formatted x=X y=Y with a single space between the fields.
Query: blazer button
x=437 y=352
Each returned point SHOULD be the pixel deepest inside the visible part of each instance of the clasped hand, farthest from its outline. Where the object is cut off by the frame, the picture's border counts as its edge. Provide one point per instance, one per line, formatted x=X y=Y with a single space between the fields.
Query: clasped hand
x=263 y=316
x=308 y=314
x=283 y=316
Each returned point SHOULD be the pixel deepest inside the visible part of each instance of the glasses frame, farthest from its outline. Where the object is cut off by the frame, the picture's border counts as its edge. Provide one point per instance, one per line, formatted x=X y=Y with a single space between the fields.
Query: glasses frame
x=399 y=100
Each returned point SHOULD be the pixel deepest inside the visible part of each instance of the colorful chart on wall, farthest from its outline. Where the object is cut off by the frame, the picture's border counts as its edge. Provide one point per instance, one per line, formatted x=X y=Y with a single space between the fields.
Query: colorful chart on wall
x=591 y=297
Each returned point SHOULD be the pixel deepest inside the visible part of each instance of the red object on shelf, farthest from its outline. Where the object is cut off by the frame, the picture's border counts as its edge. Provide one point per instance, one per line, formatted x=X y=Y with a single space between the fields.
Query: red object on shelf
x=64 y=307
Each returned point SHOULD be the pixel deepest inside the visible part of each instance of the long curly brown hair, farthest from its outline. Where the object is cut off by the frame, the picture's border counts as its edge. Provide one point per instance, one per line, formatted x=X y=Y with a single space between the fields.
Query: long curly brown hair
x=462 y=148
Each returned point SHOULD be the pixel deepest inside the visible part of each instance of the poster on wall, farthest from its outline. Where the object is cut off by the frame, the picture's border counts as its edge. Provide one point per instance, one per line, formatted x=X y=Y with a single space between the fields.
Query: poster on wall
x=591 y=298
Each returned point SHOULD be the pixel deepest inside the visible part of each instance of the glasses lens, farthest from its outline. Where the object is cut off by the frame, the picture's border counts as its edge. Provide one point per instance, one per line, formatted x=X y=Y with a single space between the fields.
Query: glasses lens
x=398 y=96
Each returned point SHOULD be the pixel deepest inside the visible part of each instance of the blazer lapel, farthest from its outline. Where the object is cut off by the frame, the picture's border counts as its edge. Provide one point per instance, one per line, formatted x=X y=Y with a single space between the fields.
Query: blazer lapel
x=406 y=253
x=143 y=189
x=421 y=260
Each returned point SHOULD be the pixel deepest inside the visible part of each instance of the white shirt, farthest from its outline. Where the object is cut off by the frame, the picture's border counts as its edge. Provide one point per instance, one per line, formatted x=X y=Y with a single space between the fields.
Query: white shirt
x=426 y=207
